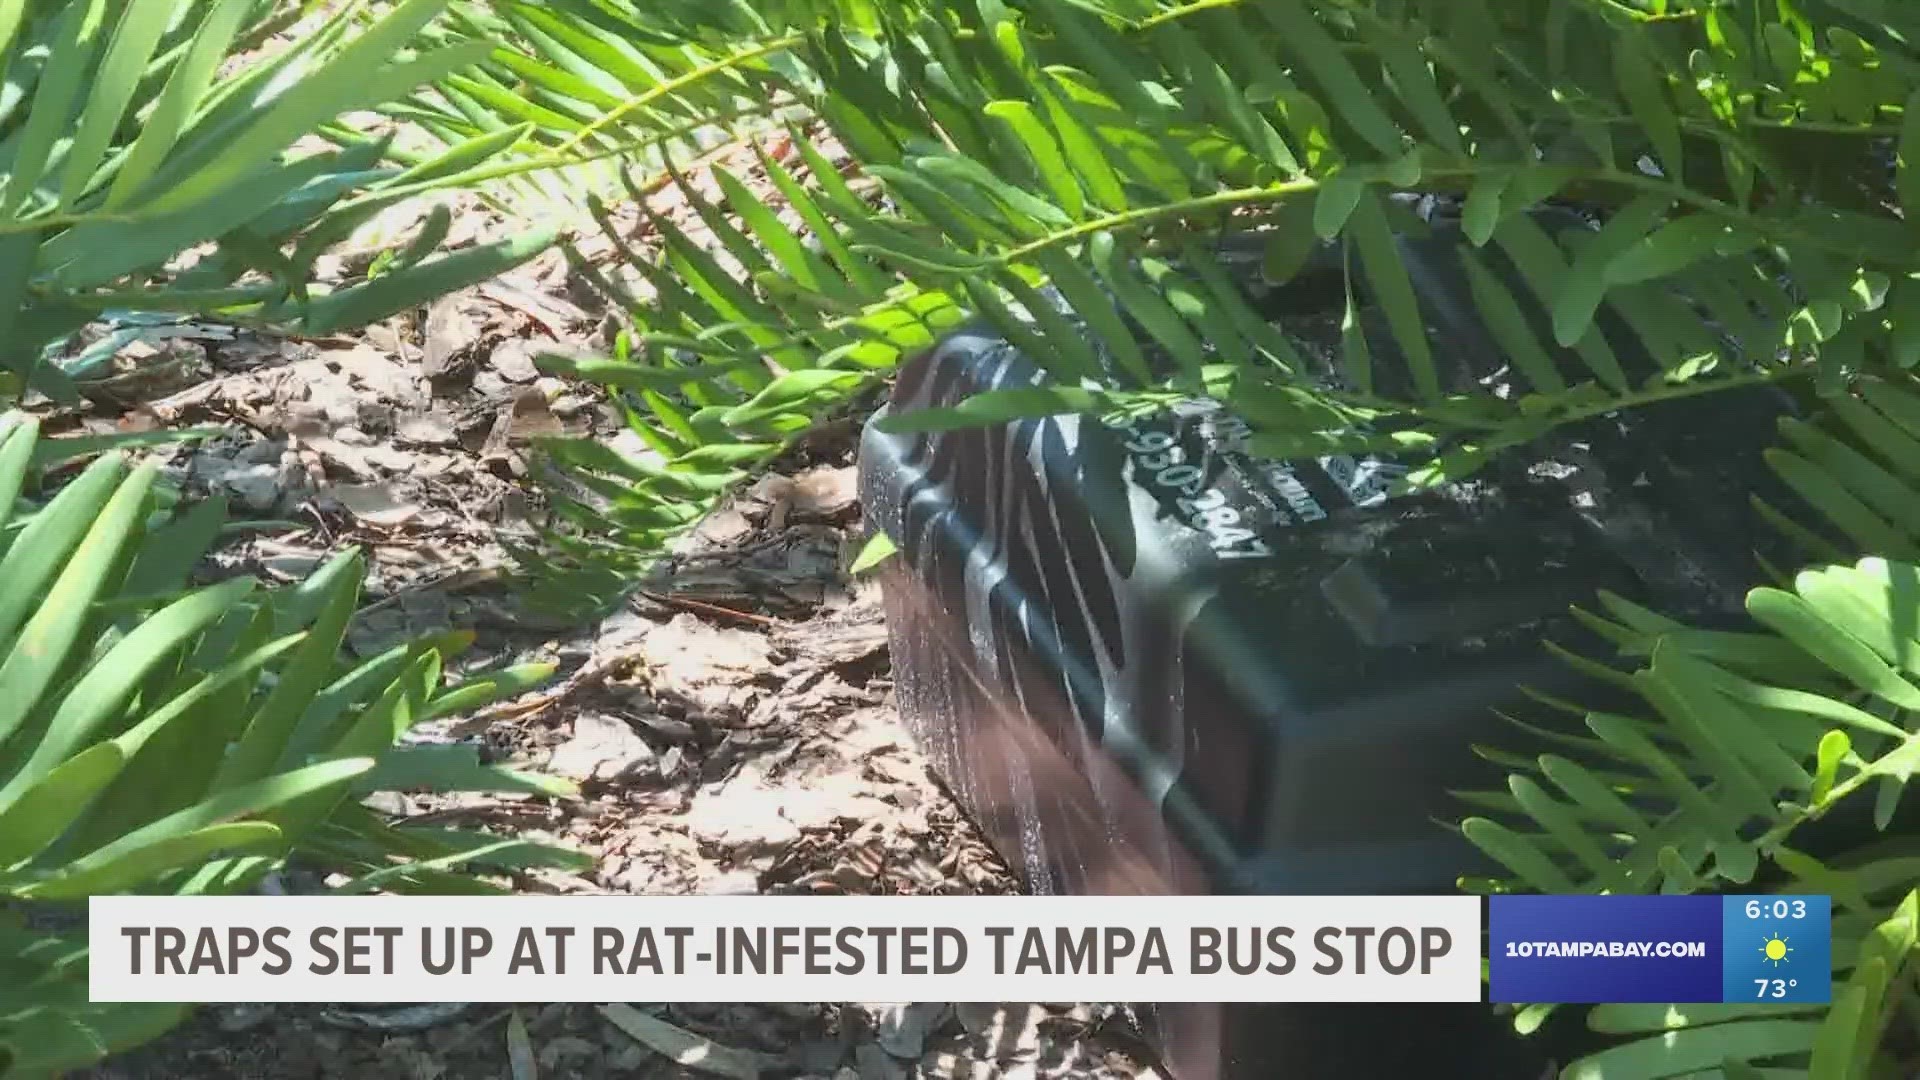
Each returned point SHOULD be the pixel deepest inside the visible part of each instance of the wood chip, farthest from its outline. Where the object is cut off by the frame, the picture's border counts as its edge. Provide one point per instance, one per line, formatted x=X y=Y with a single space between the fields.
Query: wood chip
x=448 y=331
x=375 y=504
x=683 y=1047
x=553 y=314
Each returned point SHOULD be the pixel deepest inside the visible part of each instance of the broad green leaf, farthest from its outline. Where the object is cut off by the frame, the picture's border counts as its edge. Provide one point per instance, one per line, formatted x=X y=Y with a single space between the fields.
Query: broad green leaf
x=1335 y=204
x=875 y=551
x=42 y=812
x=1481 y=215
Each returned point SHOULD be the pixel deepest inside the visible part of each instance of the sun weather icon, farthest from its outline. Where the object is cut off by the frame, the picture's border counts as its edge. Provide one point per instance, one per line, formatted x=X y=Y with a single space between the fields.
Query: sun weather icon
x=1775 y=949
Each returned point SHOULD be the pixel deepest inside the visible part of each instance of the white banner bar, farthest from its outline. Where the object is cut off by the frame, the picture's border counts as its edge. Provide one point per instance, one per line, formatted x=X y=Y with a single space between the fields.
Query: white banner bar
x=402 y=949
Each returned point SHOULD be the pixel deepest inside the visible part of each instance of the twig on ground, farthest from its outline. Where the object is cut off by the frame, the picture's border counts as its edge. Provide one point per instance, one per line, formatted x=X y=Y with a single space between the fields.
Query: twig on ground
x=702 y=608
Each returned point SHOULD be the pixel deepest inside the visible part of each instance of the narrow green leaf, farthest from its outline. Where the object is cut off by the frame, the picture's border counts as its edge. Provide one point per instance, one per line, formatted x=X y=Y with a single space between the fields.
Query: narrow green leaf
x=1592 y=795
x=139 y=865
x=1834 y=747
x=105 y=688
x=997 y=407
x=1834 y=1047
x=1696 y=1049
x=270 y=729
x=43 y=645
x=1511 y=330
x=480 y=691
x=1044 y=151
x=1413 y=82
x=1314 y=49
x=1585 y=284
x=1517 y=854
x=1673 y=247
x=1800 y=623
x=76 y=36
x=454 y=767
x=796 y=391
x=1568 y=831
x=186 y=84
x=1908 y=172
x=17 y=442
x=1853 y=517
x=1085 y=152
x=360 y=73
x=1393 y=289
x=1621 y=1018
x=400 y=290
x=142 y=23
x=1643 y=85
x=1146 y=305
x=1541 y=263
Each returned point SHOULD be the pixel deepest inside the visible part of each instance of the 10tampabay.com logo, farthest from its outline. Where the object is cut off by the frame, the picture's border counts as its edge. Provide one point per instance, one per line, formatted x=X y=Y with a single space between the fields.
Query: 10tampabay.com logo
x=1680 y=949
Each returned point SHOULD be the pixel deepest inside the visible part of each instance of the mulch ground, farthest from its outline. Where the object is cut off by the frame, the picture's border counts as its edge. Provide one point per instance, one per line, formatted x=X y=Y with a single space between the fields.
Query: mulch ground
x=732 y=729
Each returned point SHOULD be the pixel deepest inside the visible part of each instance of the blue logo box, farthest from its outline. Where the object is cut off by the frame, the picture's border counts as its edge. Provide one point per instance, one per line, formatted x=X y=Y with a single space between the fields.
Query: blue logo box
x=1678 y=949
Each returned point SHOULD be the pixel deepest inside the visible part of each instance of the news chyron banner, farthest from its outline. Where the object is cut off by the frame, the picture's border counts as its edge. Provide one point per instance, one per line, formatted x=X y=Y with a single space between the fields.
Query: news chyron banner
x=405 y=949
x=1660 y=949
x=400 y=949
